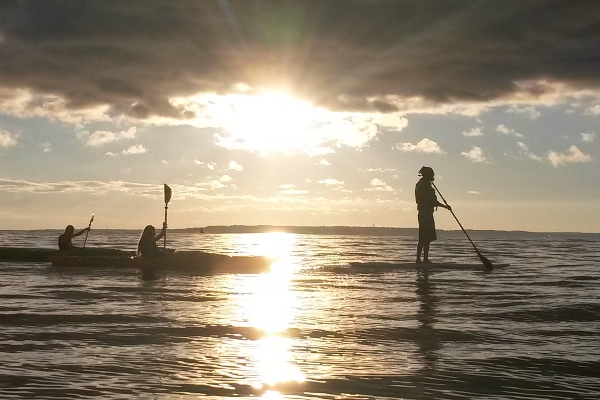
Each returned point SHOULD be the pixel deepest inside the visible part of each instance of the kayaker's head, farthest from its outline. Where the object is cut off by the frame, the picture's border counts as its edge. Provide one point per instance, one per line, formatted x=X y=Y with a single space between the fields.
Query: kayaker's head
x=149 y=231
x=427 y=173
x=70 y=230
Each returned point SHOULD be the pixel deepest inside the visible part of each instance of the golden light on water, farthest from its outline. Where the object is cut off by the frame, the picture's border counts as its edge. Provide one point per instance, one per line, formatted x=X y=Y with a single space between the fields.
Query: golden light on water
x=278 y=245
x=271 y=307
x=275 y=361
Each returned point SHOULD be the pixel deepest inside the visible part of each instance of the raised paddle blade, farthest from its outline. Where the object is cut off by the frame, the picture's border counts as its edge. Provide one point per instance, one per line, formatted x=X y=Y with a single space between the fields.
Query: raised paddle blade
x=167 y=194
x=87 y=233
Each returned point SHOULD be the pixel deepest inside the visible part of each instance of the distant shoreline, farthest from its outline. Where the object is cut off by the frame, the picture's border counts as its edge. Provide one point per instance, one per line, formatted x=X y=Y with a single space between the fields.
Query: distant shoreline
x=333 y=230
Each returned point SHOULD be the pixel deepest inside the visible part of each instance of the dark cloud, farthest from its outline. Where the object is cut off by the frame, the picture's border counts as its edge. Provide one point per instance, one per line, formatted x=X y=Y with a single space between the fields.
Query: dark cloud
x=344 y=54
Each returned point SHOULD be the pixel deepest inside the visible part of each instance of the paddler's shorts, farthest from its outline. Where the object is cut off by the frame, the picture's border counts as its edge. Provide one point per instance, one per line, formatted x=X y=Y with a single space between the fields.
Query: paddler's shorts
x=426 y=226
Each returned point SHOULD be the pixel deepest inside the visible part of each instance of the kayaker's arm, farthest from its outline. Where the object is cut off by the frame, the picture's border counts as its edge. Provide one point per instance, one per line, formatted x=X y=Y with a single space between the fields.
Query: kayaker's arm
x=81 y=232
x=162 y=233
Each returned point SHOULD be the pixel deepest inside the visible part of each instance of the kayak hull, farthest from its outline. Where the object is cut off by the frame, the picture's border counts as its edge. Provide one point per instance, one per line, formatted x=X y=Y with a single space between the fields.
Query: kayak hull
x=36 y=254
x=104 y=258
x=191 y=262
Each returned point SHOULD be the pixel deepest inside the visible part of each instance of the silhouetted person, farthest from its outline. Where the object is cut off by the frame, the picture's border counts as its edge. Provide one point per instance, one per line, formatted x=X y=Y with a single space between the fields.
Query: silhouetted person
x=64 y=240
x=427 y=203
x=147 y=246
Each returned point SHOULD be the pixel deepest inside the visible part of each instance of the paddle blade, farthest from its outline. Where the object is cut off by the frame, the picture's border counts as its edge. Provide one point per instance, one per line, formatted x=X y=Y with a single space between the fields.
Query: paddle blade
x=486 y=263
x=167 y=194
x=92 y=219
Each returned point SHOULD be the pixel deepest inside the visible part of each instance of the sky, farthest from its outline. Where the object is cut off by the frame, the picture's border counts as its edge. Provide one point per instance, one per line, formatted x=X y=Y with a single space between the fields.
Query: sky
x=313 y=112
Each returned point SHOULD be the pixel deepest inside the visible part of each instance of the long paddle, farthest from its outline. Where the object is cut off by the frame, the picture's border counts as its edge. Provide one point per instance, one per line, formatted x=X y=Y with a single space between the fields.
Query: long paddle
x=167 y=199
x=88 y=232
x=487 y=263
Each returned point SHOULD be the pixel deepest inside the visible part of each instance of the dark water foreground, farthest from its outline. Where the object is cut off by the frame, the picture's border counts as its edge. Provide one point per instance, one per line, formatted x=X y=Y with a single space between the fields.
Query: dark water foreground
x=311 y=328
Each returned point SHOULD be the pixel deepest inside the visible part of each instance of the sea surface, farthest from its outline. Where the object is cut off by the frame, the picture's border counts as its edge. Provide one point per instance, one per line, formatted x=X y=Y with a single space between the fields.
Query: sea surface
x=313 y=328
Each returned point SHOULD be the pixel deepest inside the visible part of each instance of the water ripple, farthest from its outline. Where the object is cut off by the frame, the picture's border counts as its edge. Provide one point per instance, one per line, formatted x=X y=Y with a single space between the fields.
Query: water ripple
x=317 y=329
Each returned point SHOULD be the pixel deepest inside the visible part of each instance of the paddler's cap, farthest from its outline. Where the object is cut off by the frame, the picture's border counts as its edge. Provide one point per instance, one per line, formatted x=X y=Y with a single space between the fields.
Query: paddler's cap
x=426 y=171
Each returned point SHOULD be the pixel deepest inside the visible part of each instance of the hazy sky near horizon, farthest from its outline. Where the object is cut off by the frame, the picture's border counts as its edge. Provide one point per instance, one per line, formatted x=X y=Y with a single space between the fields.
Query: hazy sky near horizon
x=314 y=112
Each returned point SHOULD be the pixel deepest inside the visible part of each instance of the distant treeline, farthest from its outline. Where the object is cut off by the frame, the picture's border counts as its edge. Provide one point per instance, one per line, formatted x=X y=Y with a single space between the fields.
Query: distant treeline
x=316 y=230
x=355 y=230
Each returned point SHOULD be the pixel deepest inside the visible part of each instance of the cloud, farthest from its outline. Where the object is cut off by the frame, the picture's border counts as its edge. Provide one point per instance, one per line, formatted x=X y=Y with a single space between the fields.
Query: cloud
x=7 y=139
x=99 y=138
x=23 y=103
x=293 y=192
x=235 y=166
x=211 y=185
x=378 y=169
x=46 y=146
x=476 y=154
x=379 y=185
x=93 y=187
x=424 y=146
x=508 y=131
x=324 y=162
x=137 y=149
x=573 y=155
x=268 y=122
x=473 y=132
x=331 y=182
x=473 y=192
x=525 y=151
x=588 y=137
x=530 y=111
x=136 y=58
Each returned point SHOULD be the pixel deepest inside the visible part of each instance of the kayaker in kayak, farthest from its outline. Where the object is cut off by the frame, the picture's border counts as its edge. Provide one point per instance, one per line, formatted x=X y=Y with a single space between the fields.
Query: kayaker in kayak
x=64 y=240
x=426 y=203
x=147 y=246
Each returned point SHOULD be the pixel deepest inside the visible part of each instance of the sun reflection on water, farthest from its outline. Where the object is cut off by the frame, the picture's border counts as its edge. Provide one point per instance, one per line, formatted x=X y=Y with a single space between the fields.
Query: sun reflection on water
x=271 y=307
x=270 y=244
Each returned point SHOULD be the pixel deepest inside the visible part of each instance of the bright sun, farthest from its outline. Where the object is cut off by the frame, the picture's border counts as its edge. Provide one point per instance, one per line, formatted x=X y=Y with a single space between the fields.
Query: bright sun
x=278 y=122
x=271 y=122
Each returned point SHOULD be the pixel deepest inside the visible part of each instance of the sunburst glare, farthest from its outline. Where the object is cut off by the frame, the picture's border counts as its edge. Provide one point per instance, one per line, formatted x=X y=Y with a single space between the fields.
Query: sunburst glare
x=271 y=121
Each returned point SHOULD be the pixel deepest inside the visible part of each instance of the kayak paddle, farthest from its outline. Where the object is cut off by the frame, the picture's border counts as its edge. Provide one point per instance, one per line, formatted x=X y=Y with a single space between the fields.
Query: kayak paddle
x=167 y=199
x=87 y=233
x=486 y=263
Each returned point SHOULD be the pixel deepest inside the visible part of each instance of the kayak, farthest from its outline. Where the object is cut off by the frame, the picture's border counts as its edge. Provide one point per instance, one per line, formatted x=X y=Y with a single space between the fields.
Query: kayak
x=423 y=266
x=186 y=261
x=36 y=254
x=105 y=258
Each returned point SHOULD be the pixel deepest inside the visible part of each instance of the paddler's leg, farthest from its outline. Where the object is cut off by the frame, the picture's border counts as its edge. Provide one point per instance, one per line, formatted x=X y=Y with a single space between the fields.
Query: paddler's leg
x=426 y=252
x=419 y=250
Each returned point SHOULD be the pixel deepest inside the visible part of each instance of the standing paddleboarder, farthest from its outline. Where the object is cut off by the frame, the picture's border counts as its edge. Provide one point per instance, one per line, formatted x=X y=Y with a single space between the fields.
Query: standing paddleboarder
x=427 y=203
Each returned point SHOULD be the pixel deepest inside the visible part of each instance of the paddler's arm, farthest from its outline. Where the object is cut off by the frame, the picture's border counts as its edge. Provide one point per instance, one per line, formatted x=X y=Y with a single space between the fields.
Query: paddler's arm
x=81 y=232
x=162 y=233
x=446 y=206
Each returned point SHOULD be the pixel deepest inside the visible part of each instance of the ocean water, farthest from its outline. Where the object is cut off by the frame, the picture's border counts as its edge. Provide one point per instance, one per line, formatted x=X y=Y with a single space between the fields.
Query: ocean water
x=313 y=328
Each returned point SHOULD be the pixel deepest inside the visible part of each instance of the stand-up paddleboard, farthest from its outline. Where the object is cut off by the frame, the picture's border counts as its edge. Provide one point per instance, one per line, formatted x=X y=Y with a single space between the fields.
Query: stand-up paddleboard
x=425 y=266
